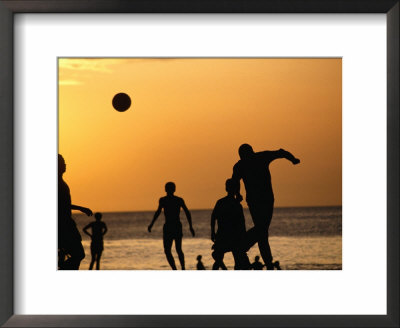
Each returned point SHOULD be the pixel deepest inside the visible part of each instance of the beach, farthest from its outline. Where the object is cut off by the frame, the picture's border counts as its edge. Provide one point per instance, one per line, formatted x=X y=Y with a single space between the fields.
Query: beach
x=304 y=238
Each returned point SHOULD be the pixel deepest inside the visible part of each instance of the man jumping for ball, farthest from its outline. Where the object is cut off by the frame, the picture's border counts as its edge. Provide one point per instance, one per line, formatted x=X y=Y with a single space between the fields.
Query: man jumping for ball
x=172 y=229
x=253 y=168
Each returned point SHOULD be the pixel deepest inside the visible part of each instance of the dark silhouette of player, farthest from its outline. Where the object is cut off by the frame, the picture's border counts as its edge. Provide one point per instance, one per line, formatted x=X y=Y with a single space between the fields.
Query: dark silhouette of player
x=200 y=265
x=228 y=213
x=99 y=229
x=257 y=265
x=172 y=229
x=253 y=168
x=69 y=238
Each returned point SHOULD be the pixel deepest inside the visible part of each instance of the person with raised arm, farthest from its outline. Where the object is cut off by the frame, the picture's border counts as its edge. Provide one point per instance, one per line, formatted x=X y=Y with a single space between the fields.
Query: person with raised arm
x=253 y=169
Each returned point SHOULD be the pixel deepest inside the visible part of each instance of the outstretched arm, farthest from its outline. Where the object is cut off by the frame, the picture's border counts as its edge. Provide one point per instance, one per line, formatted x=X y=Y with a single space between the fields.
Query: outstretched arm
x=85 y=210
x=188 y=216
x=156 y=215
x=281 y=153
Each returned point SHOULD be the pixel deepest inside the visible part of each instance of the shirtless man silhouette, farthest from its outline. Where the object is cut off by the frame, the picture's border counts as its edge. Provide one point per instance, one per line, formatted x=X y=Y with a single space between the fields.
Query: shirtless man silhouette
x=69 y=238
x=253 y=169
x=172 y=229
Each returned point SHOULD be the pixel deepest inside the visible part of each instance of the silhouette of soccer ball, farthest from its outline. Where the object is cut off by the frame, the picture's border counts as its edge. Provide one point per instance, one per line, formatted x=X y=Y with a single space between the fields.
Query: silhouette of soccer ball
x=121 y=102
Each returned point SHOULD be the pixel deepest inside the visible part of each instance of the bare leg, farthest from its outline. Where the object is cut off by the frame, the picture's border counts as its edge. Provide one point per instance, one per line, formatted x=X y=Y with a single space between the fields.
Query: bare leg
x=93 y=259
x=223 y=266
x=261 y=214
x=98 y=260
x=265 y=250
x=167 y=250
x=91 y=263
x=178 y=247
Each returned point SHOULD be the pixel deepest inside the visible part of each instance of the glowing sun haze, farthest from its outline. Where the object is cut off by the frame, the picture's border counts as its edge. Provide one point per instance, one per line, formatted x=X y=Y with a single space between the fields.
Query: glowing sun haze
x=187 y=119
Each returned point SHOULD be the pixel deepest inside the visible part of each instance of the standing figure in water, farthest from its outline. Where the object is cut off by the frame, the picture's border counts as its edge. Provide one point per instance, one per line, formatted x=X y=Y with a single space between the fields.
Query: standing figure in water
x=253 y=168
x=69 y=238
x=99 y=229
x=172 y=229
x=231 y=234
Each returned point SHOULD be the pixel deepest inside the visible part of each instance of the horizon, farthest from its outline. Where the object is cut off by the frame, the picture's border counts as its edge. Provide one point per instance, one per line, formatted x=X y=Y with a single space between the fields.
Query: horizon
x=206 y=209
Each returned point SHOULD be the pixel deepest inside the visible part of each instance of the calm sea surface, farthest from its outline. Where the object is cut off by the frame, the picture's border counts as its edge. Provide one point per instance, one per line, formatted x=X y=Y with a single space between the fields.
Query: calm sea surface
x=301 y=238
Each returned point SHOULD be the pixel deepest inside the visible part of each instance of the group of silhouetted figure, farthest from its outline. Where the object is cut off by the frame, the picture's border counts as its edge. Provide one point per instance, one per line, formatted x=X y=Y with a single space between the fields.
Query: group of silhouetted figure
x=231 y=234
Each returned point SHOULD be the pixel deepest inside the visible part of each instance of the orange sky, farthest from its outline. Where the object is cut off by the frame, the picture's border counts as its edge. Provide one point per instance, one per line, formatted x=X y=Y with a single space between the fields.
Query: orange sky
x=187 y=120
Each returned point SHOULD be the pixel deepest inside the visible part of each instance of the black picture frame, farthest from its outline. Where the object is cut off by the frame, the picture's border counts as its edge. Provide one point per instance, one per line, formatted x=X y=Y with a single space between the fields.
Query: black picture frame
x=10 y=7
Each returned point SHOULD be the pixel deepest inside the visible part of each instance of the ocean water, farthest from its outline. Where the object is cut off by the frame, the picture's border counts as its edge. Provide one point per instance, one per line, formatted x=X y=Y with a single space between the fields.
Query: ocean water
x=301 y=238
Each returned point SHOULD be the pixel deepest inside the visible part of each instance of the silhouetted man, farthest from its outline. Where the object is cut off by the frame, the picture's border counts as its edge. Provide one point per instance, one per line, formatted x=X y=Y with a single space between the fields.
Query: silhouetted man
x=172 y=229
x=69 y=238
x=99 y=229
x=228 y=213
x=253 y=168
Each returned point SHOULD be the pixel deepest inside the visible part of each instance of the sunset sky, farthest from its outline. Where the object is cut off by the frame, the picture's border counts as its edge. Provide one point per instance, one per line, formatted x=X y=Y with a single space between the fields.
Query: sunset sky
x=188 y=118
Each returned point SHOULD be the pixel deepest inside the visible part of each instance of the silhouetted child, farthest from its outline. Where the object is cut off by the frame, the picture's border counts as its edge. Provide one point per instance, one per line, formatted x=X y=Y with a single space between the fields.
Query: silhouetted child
x=200 y=265
x=257 y=265
x=228 y=213
x=99 y=229
x=172 y=229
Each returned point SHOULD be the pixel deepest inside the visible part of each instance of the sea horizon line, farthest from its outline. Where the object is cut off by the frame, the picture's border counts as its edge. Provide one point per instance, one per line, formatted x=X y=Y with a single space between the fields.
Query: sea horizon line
x=210 y=209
